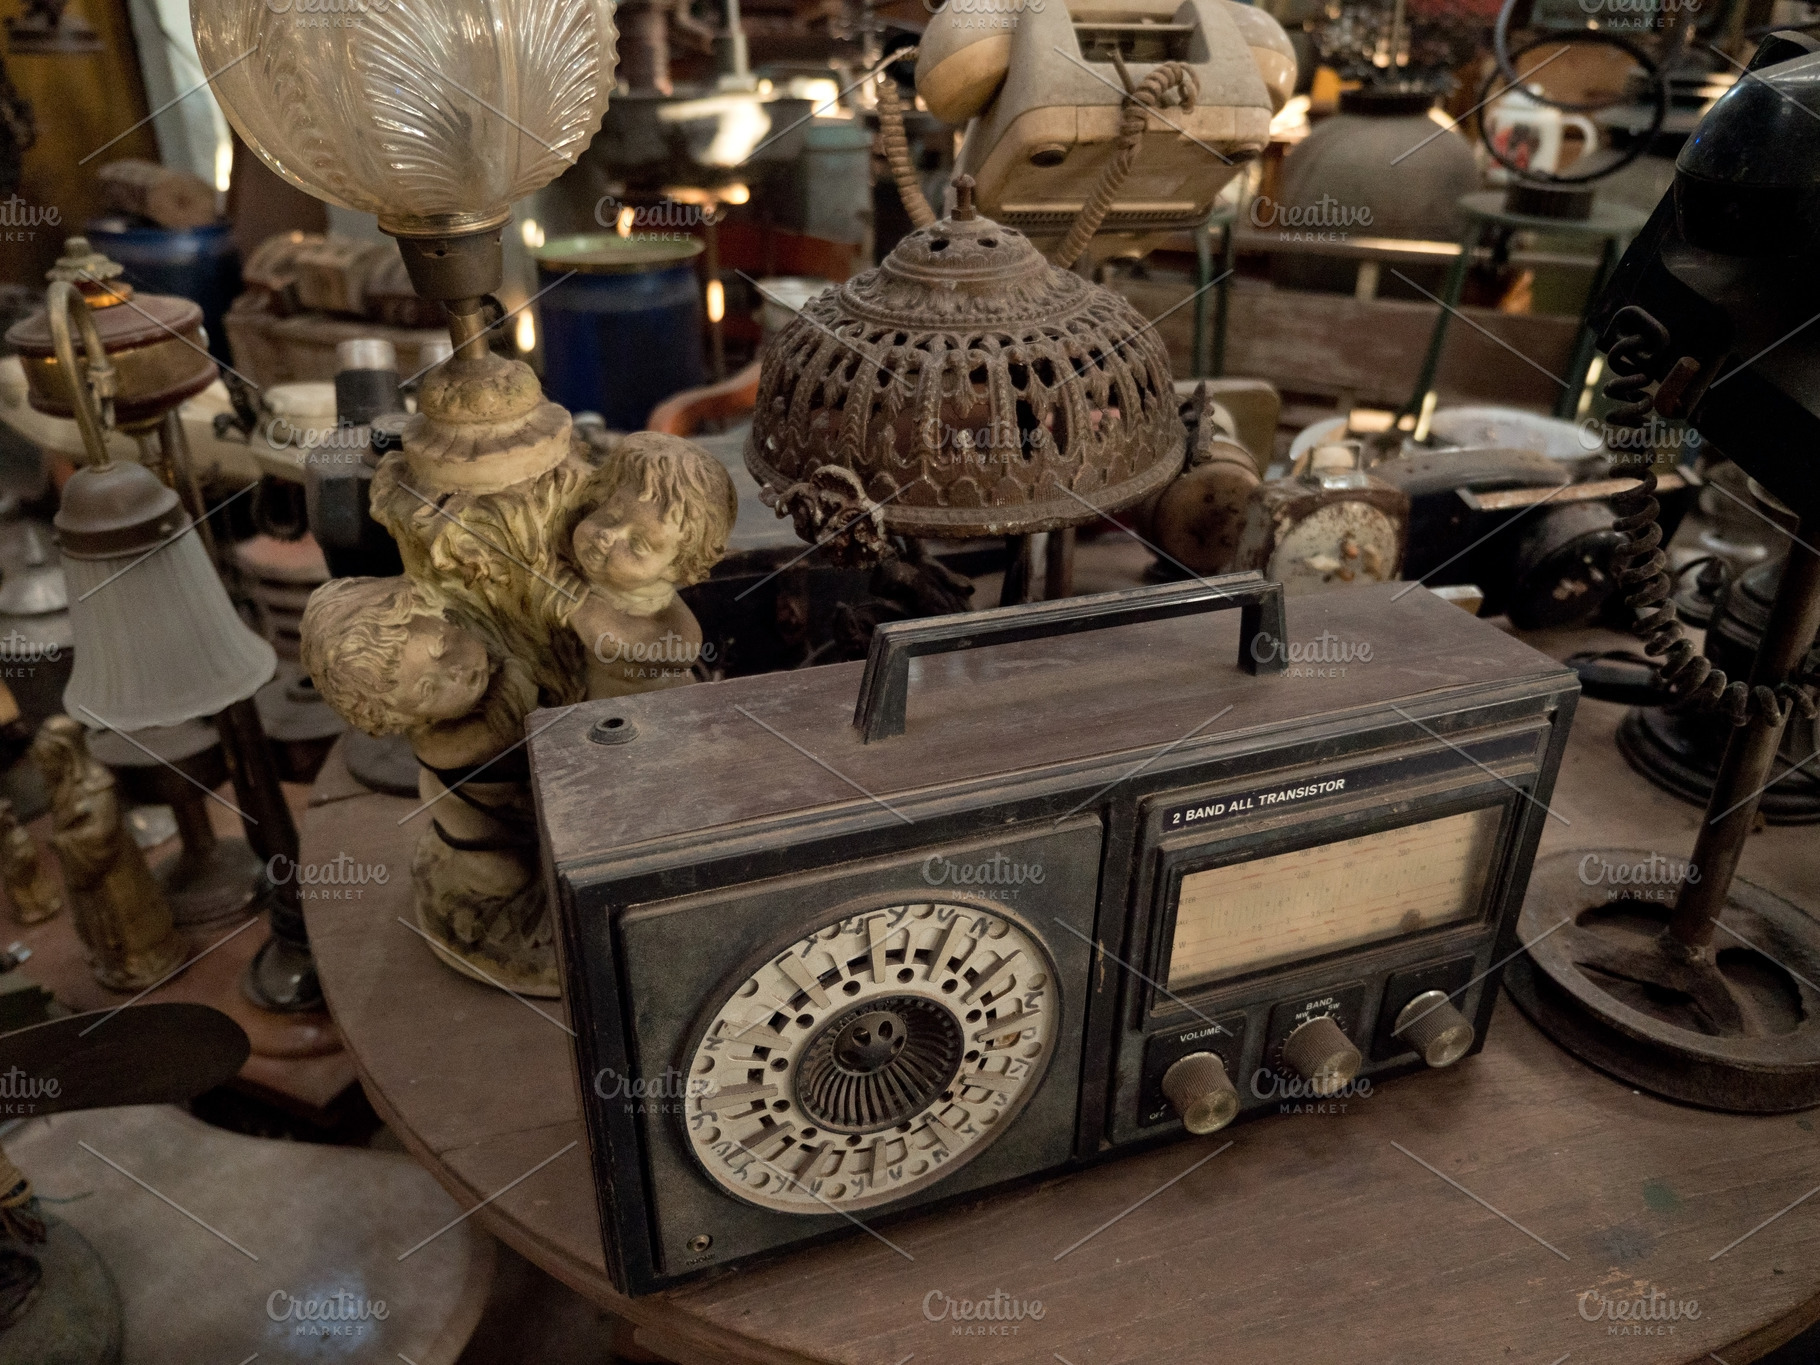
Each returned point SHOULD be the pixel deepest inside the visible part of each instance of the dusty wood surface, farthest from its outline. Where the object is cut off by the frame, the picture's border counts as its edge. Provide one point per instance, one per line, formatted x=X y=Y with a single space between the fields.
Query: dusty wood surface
x=1313 y=1237
x=320 y=1219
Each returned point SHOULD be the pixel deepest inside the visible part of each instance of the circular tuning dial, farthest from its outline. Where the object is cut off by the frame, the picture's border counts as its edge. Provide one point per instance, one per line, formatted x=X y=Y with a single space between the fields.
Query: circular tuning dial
x=1321 y=1054
x=1201 y=1092
x=868 y=1060
x=1433 y=1027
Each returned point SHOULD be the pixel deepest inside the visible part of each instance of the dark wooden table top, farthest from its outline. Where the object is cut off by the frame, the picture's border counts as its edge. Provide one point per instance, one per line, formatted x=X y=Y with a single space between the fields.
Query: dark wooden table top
x=1503 y=1211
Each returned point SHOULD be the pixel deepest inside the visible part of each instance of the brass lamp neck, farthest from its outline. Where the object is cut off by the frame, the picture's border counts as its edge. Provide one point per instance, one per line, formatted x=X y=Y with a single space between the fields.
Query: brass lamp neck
x=94 y=399
x=458 y=267
x=468 y=328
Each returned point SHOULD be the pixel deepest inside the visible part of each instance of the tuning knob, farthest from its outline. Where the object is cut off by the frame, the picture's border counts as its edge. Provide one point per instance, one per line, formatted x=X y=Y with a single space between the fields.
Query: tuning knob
x=1433 y=1027
x=1321 y=1054
x=1201 y=1092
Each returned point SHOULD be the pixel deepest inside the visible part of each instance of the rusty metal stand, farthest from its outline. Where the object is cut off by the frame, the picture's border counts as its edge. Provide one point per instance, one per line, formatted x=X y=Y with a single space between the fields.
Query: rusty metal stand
x=1015 y=591
x=1058 y=565
x=1713 y=1001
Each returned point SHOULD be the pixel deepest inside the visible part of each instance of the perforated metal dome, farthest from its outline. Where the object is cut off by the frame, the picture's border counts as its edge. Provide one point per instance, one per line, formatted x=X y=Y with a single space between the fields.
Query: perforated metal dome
x=973 y=387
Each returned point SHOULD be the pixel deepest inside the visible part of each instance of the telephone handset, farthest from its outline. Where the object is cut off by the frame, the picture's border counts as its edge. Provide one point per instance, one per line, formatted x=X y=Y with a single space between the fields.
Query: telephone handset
x=1042 y=84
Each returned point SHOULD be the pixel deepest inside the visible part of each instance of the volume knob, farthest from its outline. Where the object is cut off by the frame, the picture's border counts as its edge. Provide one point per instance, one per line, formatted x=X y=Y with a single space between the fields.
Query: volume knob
x=1201 y=1092
x=1321 y=1054
x=1433 y=1027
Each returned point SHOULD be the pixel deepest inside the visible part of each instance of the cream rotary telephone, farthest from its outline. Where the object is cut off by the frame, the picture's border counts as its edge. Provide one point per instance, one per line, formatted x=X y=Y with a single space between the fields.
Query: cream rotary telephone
x=1042 y=86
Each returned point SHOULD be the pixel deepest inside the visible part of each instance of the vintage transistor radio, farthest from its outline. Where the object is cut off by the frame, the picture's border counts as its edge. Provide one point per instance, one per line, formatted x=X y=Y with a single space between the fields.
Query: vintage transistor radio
x=827 y=965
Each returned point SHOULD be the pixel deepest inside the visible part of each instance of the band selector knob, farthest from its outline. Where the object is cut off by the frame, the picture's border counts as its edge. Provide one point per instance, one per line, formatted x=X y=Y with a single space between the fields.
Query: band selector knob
x=1201 y=1092
x=1321 y=1054
x=1433 y=1027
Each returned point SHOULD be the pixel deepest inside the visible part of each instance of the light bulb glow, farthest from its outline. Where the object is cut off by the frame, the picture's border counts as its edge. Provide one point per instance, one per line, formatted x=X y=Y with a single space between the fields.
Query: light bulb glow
x=1293 y=115
x=717 y=301
x=819 y=90
x=740 y=124
x=532 y=233
x=527 y=332
x=623 y=224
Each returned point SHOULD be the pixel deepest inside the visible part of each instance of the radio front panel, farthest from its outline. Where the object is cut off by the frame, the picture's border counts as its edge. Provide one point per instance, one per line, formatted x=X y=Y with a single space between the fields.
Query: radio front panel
x=1340 y=892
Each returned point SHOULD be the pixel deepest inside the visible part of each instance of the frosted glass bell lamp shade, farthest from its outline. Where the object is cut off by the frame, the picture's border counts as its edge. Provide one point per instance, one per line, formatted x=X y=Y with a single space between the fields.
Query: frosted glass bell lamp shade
x=436 y=115
x=157 y=641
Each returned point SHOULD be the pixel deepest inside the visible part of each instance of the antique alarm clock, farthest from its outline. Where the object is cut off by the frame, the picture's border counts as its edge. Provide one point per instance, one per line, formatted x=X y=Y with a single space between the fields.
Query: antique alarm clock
x=1333 y=524
x=1133 y=870
x=1327 y=525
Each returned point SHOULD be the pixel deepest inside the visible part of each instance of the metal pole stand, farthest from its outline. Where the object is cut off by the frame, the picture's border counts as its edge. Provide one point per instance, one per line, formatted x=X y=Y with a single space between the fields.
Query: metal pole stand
x=282 y=975
x=1675 y=976
x=1612 y=225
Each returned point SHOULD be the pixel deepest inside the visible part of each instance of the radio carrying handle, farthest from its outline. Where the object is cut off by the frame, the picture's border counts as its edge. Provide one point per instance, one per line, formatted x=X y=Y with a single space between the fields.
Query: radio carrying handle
x=884 y=691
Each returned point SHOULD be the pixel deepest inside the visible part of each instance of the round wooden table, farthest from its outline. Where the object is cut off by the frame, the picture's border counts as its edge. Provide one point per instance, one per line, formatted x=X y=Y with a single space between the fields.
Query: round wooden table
x=1518 y=1208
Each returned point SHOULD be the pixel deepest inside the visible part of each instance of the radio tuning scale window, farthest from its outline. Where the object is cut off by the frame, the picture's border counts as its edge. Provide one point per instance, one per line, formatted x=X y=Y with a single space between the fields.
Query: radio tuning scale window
x=1243 y=917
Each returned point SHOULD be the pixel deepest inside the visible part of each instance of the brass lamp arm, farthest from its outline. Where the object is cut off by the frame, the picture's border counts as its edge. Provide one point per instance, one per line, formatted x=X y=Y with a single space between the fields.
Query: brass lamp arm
x=63 y=303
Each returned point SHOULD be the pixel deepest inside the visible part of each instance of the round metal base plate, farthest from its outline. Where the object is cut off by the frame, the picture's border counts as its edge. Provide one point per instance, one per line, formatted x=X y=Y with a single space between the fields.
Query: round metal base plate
x=213 y=891
x=76 y=1318
x=1680 y=754
x=1737 y=1030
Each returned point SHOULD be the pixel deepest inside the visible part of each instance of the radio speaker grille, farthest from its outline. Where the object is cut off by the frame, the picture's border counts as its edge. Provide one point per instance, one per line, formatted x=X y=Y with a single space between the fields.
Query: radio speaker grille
x=879 y=1064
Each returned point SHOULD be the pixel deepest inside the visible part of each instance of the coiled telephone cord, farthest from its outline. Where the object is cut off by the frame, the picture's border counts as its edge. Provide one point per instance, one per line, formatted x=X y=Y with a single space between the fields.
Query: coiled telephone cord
x=1642 y=566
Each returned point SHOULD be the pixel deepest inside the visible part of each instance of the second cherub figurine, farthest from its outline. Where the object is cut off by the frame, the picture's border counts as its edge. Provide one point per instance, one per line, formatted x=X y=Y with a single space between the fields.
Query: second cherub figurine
x=662 y=511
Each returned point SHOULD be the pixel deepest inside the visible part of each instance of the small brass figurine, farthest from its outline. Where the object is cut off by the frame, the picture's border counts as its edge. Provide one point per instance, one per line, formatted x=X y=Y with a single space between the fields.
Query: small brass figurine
x=29 y=884
x=121 y=915
x=665 y=510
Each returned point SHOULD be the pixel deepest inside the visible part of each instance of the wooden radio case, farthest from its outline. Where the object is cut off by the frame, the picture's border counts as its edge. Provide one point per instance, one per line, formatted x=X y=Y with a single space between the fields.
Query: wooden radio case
x=1030 y=903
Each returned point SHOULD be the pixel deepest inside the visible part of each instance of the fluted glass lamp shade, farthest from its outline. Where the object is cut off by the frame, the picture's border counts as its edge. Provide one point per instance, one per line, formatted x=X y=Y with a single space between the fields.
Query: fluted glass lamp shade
x=157 y=641
x=433 y=114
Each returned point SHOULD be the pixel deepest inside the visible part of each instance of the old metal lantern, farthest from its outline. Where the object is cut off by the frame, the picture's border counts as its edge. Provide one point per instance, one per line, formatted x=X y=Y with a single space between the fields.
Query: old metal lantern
x=156 y=342
x=972 y=387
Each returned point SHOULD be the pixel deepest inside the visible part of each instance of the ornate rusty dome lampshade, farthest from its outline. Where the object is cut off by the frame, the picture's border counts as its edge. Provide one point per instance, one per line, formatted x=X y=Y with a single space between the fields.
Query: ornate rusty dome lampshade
x=972 y=387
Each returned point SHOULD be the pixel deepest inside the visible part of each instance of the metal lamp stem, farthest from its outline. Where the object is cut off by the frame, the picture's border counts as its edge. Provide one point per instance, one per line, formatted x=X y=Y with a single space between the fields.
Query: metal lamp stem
x=93 y=400
x=1750 y=753
x=282 y=976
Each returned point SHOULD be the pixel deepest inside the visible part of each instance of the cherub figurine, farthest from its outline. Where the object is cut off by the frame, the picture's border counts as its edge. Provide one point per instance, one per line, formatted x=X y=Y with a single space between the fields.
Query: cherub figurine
x=29 y=884
x=390 y=663
x=121 y=915
x=662 y=509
